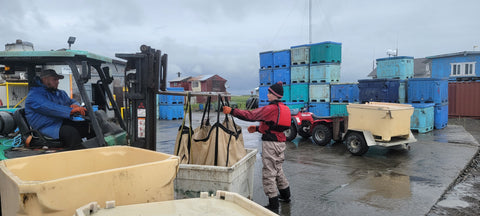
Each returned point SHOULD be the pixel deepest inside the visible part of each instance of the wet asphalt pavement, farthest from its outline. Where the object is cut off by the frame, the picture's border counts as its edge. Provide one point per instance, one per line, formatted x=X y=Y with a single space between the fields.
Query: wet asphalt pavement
x=328 y=180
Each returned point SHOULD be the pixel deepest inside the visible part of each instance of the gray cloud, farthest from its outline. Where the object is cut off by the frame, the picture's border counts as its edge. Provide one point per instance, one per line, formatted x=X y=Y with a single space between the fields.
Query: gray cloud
x=225 y=37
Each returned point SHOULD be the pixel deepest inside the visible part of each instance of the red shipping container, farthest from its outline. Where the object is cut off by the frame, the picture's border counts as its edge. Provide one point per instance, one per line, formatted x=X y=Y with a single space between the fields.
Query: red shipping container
x=464 y=99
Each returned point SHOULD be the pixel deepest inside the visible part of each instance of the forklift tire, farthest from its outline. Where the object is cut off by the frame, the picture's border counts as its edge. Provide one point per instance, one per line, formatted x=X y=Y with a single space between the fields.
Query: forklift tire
x=356 y=143
x=322 y=134
x=291 y=132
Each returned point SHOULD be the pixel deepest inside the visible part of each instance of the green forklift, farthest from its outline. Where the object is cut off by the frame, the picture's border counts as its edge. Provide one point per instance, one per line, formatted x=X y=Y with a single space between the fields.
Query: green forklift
x=81 y=64
x=143 y=77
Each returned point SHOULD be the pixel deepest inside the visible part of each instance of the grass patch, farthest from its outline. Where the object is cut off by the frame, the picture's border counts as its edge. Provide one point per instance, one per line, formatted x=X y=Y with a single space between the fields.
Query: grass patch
x=235 y=101
x=241 y=101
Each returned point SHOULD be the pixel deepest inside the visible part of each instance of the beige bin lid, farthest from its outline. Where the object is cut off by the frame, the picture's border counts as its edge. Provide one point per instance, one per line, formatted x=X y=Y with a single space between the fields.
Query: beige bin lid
x=381 y=106
x=224 y=203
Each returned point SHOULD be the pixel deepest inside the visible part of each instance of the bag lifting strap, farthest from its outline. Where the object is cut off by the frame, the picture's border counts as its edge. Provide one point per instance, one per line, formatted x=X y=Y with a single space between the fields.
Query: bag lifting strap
x=187 y=109
x=206 y=110
x=236 y=132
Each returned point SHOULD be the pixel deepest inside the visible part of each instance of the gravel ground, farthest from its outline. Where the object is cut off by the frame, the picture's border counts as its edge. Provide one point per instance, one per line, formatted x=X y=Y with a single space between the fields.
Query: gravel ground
x=463 y=196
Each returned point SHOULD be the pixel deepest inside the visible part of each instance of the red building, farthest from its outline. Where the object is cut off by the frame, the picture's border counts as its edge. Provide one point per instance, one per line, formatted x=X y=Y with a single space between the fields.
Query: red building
x=202 y=83
x=207 y=83
x=181 y=82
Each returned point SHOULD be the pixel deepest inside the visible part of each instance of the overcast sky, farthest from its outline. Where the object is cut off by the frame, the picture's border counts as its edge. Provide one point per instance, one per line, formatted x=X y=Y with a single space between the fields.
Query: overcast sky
x=225 y=37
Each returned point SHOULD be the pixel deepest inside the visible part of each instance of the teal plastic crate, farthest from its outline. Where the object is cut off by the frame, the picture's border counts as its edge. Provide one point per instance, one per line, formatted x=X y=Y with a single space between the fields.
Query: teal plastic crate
x=326 y=52
x=295 y=106
x=300 y=54
x=299 y=92
x=286 y=94
x=398 y=67
x=319 y=109
x=338 y=109
x=325 y=73
x=319 y=93
x=422 y=119
x=300 y=74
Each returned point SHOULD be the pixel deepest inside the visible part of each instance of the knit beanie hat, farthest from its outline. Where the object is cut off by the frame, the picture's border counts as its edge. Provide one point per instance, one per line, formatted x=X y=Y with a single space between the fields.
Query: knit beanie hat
x=276 y=89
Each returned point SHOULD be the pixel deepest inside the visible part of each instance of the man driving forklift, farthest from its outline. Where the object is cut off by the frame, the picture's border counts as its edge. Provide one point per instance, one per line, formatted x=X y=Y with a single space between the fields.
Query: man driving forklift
x=49 y=110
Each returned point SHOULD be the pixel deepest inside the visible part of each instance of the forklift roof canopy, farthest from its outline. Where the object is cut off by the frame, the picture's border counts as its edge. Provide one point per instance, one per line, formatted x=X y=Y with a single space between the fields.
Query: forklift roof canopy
x=51 y=57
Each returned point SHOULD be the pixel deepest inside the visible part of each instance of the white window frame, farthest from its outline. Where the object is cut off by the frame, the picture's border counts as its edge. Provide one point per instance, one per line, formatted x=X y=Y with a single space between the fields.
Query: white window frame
x=460 y=69
x=195 y=84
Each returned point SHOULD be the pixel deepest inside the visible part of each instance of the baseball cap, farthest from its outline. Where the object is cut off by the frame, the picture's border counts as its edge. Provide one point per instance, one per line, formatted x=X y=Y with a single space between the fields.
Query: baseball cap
x=50 y=72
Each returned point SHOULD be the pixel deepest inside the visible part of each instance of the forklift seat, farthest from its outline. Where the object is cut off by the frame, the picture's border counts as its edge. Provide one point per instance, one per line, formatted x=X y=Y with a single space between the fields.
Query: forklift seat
x=31 y=137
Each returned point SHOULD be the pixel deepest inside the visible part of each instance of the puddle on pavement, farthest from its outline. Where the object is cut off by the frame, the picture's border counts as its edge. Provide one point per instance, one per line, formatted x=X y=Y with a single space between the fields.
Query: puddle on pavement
x=388 y=185
x=384 y=187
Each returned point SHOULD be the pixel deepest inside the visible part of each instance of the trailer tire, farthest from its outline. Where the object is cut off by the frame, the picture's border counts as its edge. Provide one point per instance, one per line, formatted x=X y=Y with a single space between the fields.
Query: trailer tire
x=291 y=132
x=356 y=143
x=322 y=134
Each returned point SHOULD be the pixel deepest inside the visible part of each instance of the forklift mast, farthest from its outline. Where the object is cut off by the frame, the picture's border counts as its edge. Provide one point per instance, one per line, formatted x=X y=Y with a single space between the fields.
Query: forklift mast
x=145 y=75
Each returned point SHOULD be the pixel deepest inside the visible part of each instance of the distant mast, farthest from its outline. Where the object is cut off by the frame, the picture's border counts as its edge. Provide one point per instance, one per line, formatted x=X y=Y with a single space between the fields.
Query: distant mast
x=310 y=21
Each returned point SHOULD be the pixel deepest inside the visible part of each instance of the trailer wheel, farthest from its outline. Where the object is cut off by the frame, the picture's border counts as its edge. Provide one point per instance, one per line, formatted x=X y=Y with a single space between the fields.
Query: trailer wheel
x=291 y=132
x=322 y=134
x=356 y=143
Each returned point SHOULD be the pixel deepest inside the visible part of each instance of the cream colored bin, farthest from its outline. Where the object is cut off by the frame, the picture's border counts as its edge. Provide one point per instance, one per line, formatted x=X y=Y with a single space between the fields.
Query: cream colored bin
x=224 y=203
x=58 y=183
x=193 y=179
x=385 y=120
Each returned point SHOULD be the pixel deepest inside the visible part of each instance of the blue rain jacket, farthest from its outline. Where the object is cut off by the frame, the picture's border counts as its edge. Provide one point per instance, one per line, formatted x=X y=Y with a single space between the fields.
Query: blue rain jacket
x=45 y=109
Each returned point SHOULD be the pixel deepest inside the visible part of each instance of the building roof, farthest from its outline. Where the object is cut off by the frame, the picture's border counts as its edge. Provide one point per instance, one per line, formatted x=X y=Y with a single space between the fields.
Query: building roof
x=180 y=79
x=464 y=53
x=202 y=77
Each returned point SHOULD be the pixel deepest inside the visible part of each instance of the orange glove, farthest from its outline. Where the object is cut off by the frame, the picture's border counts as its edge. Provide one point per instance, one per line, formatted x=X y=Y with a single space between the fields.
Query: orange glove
x=74 y=105
x=227 y=110
x=78 y=109
x=252 y=129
